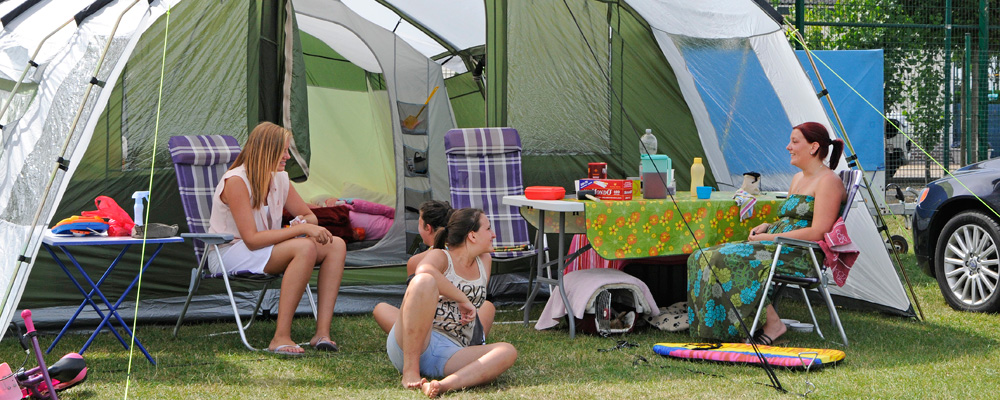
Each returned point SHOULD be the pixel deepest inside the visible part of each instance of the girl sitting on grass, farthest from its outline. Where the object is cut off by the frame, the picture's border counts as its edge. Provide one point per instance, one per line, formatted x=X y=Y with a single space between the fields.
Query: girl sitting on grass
x=432 y=336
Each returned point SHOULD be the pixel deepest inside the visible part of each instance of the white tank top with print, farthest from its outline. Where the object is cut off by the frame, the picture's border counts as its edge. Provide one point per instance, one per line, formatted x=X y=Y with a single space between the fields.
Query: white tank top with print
x=448 y=316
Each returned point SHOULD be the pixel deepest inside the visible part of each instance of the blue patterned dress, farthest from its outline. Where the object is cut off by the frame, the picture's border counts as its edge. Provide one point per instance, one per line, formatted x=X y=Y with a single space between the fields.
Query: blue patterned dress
x=742 y=269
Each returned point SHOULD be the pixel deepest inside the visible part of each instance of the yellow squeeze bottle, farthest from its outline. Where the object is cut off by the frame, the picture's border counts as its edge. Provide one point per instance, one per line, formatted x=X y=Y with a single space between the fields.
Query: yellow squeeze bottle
x=697 y=176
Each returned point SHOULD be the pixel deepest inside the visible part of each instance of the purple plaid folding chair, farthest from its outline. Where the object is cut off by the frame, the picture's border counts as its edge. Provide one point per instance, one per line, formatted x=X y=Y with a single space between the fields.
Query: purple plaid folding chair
x=199 y=162
x=484 y=164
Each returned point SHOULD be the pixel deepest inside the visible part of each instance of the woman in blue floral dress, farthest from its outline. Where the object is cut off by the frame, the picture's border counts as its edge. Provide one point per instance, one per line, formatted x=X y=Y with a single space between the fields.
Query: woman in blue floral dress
x=726 y=282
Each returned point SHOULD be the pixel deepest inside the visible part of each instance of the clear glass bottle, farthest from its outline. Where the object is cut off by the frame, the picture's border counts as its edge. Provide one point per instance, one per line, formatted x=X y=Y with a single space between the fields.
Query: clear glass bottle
x=647 y=145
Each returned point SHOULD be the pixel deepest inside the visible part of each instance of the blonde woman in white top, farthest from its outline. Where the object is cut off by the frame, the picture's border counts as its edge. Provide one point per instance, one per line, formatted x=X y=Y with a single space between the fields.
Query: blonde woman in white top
x=432 y=336
x=250 y=207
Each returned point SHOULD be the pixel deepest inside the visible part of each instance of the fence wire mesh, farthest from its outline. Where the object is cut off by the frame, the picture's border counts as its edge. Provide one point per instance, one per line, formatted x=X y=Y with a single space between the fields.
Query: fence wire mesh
x=941 y=74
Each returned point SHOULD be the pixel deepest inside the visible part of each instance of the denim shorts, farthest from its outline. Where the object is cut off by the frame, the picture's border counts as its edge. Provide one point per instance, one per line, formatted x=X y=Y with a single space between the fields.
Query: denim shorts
x=437 y=353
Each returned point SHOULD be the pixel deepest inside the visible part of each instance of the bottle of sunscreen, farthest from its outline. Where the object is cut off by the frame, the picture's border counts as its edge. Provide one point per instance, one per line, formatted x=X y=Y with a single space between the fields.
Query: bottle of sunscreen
x=697 y=176
x=138 y=196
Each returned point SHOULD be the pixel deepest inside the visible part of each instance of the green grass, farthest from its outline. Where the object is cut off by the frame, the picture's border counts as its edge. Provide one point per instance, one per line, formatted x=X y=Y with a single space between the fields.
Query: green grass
x=950 y=355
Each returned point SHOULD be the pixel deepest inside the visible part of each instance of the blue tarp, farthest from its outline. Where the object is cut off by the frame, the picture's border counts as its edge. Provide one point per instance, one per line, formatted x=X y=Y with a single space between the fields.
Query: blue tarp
x=862 y=70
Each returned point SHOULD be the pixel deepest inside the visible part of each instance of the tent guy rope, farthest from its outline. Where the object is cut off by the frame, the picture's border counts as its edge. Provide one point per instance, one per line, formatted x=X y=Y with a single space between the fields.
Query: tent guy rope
x=149 y=189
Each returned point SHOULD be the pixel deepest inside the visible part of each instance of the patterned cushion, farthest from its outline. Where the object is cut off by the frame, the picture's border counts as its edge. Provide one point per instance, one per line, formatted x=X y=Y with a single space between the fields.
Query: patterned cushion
x=199 y=162
x=484 y=164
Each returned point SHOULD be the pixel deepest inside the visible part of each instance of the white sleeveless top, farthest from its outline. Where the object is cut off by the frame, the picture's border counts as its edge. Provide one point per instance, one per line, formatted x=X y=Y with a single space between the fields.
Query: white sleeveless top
x=221 y=219
x=448 y=316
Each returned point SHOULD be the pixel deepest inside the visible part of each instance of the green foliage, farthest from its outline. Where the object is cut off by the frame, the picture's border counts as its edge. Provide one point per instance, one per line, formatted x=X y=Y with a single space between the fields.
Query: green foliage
x=912 y=36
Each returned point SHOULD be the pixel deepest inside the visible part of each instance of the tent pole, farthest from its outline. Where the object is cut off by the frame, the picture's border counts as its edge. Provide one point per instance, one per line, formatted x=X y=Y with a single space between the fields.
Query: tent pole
x=24 y=73
x=883 y=228
x=62 y=163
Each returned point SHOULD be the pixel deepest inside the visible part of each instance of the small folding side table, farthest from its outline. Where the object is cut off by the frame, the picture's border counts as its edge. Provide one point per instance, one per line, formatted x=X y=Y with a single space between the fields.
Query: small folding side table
x=64 y=243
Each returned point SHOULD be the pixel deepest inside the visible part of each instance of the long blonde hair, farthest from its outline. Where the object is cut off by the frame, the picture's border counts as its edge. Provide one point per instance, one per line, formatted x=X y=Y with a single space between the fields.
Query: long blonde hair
x=260 y=156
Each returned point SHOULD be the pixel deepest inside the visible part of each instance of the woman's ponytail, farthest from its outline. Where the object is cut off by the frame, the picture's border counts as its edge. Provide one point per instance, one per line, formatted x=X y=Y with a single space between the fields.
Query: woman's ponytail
x=838 y=149
x=441 y=236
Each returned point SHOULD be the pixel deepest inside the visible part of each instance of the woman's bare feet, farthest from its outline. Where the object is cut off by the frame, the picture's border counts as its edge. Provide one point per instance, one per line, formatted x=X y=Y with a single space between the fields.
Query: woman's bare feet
x=432 y=389
x=411 y=383
x=772 y=329
x=285 y=346
x=323 y=343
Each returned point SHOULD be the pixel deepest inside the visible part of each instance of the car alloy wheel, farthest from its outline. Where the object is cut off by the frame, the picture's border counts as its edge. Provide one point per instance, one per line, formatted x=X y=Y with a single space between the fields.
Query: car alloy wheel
x=968 y=262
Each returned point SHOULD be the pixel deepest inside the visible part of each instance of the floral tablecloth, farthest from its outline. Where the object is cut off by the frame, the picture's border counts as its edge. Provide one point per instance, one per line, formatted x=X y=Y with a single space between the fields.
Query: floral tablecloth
x=642 y=228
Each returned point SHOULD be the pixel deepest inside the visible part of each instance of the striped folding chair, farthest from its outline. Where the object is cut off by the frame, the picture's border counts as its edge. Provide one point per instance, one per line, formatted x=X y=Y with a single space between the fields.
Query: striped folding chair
x=199 y=163
x=484 y=165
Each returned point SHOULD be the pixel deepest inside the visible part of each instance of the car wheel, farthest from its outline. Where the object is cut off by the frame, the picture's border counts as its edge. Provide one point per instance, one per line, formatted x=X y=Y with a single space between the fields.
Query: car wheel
x=967 y=262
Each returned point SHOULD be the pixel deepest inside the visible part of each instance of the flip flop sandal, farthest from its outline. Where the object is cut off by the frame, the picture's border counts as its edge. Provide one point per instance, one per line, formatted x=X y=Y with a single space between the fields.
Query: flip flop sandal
x=326 y=345
x=760 y=338
x=280 y=350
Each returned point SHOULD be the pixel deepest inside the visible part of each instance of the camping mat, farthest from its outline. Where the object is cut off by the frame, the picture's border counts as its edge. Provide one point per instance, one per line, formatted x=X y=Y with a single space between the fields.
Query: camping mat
x=742 y=353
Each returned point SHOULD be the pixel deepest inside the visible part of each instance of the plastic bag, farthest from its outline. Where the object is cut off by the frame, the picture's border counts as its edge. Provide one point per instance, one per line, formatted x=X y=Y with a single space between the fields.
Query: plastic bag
x=119 y=222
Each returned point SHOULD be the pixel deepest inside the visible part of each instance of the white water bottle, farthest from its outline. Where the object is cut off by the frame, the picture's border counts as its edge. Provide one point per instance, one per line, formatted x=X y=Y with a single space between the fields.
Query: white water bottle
x=647 y=145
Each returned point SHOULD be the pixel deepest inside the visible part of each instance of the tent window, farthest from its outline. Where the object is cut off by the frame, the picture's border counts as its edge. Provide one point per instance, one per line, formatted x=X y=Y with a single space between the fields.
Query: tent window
x=739 y=98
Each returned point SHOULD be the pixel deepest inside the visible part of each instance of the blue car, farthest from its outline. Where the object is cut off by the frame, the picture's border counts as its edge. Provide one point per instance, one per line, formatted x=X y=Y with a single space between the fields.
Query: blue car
x=956 y=232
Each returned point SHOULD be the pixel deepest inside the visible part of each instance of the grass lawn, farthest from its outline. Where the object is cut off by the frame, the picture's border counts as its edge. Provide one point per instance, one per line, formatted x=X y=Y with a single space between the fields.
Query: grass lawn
x=950 y=355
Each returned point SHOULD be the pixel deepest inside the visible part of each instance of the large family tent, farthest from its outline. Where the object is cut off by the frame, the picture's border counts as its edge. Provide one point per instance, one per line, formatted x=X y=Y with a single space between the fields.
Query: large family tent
x=578 y=79
x=342 y=83
x=715 y=79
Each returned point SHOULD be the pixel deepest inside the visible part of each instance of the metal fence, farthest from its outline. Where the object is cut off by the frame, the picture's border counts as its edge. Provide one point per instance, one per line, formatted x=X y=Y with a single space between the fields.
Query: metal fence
x=934 y=50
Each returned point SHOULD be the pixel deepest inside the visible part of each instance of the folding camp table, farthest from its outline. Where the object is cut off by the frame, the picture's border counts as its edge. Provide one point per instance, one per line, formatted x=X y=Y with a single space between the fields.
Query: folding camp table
x=64 y=243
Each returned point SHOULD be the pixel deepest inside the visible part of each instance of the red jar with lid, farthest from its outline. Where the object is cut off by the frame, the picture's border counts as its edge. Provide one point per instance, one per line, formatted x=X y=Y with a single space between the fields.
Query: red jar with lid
x=597 y=170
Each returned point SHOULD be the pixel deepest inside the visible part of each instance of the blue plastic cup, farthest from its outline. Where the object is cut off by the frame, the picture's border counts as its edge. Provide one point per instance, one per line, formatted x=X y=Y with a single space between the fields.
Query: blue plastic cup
x=704 y=192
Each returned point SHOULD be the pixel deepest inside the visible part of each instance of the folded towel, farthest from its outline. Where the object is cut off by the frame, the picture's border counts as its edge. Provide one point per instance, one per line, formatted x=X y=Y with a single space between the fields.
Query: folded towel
x=745 y=201
x=840 y=253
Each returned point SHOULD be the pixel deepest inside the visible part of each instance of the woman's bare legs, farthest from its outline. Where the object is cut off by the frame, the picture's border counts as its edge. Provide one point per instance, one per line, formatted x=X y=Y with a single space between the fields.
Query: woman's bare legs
x=414 y=325
x=331 y=257
x=386 y=315
x=473 y=366
x=294 y=258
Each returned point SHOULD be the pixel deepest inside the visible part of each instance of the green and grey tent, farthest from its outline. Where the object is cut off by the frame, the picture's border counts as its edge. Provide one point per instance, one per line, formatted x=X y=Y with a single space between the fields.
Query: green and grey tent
x=342 y=83
x=714 y=79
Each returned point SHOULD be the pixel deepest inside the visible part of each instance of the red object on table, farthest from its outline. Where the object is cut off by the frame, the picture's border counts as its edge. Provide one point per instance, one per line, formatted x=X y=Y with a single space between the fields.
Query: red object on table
x=597 y=170
x=545 y=192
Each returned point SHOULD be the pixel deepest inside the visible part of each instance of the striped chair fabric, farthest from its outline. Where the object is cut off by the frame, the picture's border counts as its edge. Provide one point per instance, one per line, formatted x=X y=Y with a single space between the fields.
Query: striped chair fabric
x=199 y=162
x=484 y=164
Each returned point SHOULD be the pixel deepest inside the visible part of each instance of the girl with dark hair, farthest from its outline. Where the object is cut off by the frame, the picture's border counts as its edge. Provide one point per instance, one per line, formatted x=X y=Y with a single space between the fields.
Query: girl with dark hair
x=248 y=203
x=433 y=218
x=432 y=336
x=733 y=274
